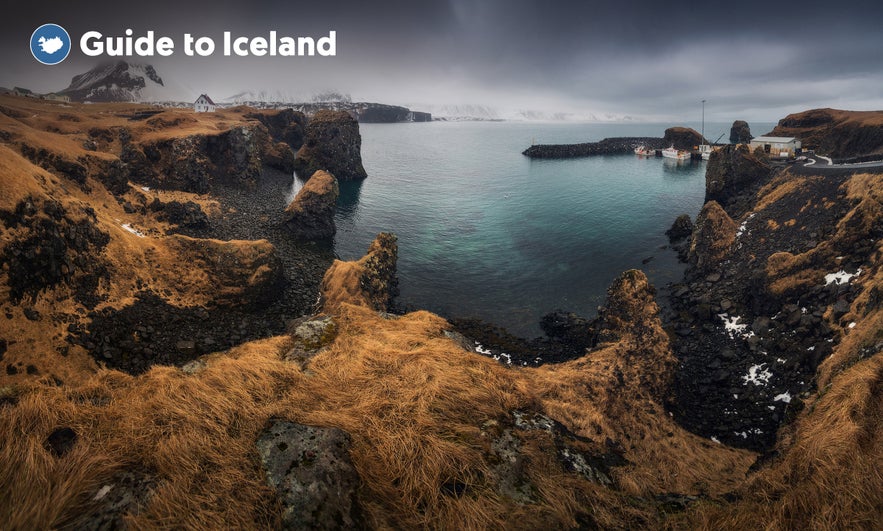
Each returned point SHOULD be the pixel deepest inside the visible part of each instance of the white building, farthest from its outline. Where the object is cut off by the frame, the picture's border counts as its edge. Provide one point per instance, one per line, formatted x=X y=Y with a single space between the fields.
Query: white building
x=204 y=104
x=776 y=146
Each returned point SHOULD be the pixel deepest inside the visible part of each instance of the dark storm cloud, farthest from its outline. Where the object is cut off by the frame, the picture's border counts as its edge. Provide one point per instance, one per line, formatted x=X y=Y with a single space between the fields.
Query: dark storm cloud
x=651 y=59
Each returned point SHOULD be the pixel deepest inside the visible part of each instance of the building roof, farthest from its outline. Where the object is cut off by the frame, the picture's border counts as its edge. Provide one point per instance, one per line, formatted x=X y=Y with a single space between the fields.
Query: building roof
x=774 y=139
x=209 y=100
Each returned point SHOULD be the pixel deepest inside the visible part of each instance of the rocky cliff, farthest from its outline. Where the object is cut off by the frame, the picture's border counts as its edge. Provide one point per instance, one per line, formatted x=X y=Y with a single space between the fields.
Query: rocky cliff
x=733 y=175
x=310 y=215
x=332 y=143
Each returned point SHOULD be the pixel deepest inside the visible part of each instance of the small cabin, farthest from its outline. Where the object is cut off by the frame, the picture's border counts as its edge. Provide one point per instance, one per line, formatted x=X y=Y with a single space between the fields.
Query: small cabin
x=777 y=146
x=204 y=104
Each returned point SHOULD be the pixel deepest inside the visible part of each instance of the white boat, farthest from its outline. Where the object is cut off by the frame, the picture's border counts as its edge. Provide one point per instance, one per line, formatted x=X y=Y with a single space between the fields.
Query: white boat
x=705 y=150
x=677 y=154
x=643 y=151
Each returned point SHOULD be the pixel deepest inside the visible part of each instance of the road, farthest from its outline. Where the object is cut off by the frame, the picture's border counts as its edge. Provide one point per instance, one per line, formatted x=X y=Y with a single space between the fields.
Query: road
x=818 y=165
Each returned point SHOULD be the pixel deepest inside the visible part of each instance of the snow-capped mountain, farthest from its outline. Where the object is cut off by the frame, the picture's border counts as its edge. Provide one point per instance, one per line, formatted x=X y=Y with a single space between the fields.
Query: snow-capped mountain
x=120 y=81
x=472 y=112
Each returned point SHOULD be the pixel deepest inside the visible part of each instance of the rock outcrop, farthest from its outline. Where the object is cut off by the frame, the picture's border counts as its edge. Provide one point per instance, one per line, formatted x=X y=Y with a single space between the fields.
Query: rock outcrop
x=310 y=469
x=371 y=281
x=310 y=215
x=333 y=144
x=713 y=236
x=192 y=163
x=843 y=135
x=682 y=137
x=680 y=229
x=740 y=133
x=285 y=125
x=733 y=172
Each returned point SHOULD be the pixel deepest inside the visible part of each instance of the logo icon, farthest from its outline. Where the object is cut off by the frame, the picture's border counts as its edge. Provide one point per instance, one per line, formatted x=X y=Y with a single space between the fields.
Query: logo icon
x=50 y=44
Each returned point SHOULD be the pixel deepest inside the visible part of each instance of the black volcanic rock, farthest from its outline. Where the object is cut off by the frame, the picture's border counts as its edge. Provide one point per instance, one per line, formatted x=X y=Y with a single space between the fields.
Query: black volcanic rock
x=714 y=234
x=285 y=125
x=740 y=133
x=682 y=137
x=333 y=144
x=607 y=146
x=732 y=172
x=310 y=216
x=680 y=229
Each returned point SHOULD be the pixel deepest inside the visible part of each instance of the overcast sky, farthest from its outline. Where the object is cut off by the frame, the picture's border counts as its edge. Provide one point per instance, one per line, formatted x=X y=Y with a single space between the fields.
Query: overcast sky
x=650 y=60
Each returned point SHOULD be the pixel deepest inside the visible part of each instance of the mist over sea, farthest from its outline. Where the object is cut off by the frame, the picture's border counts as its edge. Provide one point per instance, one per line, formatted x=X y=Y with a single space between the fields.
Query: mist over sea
x=486 y=232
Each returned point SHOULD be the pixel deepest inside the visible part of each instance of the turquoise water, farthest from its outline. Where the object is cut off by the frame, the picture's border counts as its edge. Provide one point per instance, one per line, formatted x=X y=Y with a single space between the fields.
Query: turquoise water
x=486 y=232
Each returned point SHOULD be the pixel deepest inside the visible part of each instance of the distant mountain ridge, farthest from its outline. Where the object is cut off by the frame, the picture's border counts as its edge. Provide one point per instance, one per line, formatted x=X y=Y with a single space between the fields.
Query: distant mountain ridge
x=118 y=82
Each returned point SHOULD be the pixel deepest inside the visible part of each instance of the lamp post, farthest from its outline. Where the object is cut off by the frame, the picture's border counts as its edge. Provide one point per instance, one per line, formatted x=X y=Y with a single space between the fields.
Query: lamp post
x=703 y=121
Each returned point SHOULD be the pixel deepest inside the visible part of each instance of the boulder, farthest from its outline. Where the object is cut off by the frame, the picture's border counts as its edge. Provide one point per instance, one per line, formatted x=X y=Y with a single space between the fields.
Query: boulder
x=312 y=473
x=740 y=133
x=682 y=137
x=681 y=228
x=310 y=216
x=731 y=171
x=713 y=236
x=333 y=144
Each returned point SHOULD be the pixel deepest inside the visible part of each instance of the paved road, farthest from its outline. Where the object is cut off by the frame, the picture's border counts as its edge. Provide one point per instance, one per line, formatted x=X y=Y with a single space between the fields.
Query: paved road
x=818 y=165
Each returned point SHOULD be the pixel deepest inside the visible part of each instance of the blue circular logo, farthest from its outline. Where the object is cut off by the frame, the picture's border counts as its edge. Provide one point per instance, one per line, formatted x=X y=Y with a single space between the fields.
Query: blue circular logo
x=50 y=44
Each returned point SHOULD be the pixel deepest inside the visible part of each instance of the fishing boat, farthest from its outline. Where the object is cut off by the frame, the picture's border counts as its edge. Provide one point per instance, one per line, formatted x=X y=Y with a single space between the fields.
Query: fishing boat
x=644 y=151
x=705 y=150
x=677 y=154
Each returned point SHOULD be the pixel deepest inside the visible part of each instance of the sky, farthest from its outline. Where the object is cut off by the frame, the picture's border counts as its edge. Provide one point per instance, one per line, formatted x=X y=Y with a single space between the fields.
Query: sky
x=645 y=60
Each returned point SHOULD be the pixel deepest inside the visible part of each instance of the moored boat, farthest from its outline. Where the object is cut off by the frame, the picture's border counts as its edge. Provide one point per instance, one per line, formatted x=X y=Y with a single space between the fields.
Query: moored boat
x=677 y=154
x=644 y=151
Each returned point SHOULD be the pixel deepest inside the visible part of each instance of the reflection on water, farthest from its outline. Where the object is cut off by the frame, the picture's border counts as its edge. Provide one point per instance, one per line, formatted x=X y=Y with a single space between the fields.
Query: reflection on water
x=680 y=167
x=348 y=202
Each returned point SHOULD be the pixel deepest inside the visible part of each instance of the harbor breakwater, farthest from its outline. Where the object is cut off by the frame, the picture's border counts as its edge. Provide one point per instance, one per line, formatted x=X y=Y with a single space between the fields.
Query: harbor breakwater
x=679 y=137
x=608 y=146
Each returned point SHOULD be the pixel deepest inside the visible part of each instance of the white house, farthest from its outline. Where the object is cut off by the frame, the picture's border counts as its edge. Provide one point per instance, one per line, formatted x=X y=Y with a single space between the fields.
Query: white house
x=776 y=146
x=203 y=104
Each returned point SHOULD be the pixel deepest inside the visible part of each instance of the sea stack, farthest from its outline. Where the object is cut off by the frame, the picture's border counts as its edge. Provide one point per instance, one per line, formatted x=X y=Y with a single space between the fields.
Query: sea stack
x=310 y=216
x=332 y=143
x=740 y=133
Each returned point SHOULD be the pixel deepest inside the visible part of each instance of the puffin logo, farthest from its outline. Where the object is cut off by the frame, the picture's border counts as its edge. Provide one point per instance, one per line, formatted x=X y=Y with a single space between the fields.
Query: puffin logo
x=50 y=44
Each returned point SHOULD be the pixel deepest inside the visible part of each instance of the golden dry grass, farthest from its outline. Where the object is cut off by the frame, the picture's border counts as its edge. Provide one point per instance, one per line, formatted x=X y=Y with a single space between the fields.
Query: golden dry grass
x=413 y=401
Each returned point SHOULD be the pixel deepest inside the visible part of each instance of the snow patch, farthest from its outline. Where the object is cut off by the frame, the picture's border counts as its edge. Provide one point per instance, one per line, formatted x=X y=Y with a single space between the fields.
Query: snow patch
x=784 y=397
x=744 y=225
x=734 y=328
x=133 y=230
x=841 y=277
x=757 y=375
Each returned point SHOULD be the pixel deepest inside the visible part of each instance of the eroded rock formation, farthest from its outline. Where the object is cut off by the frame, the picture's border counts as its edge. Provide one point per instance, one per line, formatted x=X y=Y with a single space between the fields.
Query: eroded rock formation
x=740 y=133
x=310 y=215
x=333 y=144
x=732 y=174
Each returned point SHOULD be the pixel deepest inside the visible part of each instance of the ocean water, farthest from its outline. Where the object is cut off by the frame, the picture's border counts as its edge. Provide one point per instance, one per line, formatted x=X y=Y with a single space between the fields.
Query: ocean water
x=486 y=232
